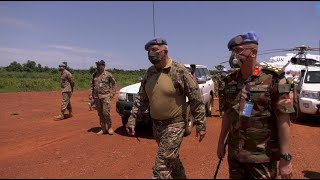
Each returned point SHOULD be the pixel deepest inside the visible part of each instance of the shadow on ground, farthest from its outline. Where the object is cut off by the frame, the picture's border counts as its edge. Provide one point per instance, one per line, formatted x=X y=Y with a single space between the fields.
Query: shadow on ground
x=141 y=132
x=312 y=121
x=311 y=174
x=94 y=129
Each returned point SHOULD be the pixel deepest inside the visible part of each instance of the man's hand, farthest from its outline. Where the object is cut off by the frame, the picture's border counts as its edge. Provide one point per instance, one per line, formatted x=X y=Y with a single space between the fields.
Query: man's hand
x=202 y=134
x=90 y=97
x=221 y=151
x=130 y=130
x=285 y=169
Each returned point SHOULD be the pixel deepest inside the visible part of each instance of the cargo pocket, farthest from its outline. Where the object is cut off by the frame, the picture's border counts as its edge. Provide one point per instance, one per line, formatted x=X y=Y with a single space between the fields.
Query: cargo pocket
x=256 y=140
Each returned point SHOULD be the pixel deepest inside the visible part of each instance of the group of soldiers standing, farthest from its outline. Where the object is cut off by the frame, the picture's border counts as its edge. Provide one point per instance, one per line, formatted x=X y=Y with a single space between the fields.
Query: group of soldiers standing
x=102 y=90
x=254 y=106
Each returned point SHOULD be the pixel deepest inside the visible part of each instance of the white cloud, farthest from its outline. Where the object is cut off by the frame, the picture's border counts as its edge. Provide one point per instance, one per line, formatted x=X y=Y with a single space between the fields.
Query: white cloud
x=77 y=58
x=14 y=22
x=73 y=49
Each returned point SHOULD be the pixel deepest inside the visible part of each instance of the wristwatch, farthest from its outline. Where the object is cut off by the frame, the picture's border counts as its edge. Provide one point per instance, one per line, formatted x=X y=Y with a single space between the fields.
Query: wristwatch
x=286 y=156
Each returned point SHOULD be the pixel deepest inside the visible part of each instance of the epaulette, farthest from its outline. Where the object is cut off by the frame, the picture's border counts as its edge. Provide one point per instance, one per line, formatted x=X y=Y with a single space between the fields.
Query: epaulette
x=277 y=71
x=232 y=71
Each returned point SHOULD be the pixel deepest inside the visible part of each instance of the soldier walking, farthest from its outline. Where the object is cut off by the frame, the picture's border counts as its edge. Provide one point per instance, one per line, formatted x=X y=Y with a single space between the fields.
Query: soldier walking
x=256 y=116
x=220 y=81
x=164 y=89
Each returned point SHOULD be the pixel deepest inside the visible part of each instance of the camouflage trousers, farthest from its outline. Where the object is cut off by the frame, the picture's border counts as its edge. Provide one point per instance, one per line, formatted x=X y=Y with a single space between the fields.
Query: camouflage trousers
x=169 y=137
x=221 y=100
x=103 y=108
x=66 y=104
x=238 y=170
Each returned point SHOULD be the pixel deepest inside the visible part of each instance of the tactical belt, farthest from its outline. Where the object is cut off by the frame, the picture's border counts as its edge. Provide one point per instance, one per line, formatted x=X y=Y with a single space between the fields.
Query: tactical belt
x=168 y=121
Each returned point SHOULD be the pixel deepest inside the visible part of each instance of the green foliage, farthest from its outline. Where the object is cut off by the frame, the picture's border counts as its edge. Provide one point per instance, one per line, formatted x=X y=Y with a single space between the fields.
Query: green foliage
x=32 y=77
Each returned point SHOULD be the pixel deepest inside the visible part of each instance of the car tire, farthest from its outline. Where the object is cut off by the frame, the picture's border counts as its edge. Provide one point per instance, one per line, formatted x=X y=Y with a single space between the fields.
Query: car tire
x=124 y=121
x=209 y=106
x=189 y=122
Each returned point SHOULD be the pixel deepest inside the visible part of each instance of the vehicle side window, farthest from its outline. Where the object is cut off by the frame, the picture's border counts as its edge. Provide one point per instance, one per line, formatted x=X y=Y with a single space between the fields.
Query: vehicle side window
x=198 y=74
x=202 y=72
x=207 y=73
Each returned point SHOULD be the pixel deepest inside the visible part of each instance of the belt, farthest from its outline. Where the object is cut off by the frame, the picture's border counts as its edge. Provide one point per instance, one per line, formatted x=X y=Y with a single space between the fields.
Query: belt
x=168 y=121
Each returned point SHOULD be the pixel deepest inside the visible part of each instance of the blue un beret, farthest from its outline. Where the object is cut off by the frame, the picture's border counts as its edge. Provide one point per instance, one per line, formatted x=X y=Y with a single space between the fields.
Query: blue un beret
x=101 y=62
x=249 y=37
x=156 y=41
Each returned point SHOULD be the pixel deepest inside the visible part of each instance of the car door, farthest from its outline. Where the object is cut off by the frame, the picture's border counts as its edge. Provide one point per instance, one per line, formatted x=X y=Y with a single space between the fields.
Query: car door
x=208 y=85
x=200 y=74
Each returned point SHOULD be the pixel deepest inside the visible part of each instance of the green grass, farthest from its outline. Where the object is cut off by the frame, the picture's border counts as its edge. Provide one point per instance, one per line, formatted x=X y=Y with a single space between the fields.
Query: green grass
x=50 y=81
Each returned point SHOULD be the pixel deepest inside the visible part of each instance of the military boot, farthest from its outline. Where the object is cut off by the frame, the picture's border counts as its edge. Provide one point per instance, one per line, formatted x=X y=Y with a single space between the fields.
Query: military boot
x=110 y=131
x=59 y=117
x=103 y=130
x=221 y=114
x=100 y=132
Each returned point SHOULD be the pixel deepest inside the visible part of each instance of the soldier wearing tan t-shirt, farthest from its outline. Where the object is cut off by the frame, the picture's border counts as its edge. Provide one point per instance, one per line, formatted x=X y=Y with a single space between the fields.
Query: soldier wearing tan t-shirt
x=164 y=89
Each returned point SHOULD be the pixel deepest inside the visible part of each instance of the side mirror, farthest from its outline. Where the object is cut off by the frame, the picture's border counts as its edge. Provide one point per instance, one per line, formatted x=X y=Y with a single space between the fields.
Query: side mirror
x=202 y=80
x=140 y=79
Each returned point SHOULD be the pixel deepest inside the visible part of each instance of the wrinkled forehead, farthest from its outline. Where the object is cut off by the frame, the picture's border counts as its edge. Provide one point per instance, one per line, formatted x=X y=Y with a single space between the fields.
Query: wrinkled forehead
x=244 y=46
x=156 y=47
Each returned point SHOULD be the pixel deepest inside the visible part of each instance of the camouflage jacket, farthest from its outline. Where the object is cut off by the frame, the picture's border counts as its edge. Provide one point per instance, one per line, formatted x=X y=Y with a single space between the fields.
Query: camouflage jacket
x=66 y=81
x=254 y=139
x=220 y=83
x=182 y=81
x=103 y=85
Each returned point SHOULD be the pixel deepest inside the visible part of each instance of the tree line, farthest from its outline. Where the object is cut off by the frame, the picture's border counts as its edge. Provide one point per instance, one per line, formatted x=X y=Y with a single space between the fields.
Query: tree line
x=32 y=66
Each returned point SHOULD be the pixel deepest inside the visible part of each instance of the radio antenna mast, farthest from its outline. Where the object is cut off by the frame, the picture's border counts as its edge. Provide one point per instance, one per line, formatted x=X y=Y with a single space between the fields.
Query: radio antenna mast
x=154 y=25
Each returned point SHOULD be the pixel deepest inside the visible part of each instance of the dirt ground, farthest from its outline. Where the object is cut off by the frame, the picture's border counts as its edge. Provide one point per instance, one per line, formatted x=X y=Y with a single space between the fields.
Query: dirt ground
x=32 y=145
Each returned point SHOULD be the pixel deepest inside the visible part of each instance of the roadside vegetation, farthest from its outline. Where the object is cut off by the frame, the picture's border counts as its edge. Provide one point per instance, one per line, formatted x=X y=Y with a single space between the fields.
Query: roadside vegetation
x=32 y=77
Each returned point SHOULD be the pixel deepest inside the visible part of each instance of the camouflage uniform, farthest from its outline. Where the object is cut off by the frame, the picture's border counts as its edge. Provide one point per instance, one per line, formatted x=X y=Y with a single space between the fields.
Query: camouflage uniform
x=168 y=122
x=253 y=143
x=220 y=90
x=103 y=90
x=67 y=85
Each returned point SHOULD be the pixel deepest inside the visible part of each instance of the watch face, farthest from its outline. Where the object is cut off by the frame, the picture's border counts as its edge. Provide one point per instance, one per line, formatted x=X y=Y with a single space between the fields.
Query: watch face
x=286 y=157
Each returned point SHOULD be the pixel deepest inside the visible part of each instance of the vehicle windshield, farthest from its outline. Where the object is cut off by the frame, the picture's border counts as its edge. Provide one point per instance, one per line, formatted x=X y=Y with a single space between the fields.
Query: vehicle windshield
x=303 y=61
x=312 y=77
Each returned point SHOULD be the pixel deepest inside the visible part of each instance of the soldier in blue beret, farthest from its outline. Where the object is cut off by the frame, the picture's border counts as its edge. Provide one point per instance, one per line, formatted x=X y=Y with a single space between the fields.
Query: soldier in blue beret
x=256 y=116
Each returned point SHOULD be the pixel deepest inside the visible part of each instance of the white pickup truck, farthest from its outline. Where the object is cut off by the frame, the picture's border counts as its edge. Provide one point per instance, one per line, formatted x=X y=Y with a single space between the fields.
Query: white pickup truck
x=127 y=96
x=307 y=93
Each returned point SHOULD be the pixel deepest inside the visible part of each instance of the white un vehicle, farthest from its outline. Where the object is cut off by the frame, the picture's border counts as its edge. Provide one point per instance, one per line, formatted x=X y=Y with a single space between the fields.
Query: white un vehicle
x=127 y=96
x=307 y=93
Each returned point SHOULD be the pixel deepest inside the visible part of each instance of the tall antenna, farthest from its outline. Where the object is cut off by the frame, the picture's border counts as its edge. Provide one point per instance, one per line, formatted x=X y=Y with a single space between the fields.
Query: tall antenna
x=154 y=25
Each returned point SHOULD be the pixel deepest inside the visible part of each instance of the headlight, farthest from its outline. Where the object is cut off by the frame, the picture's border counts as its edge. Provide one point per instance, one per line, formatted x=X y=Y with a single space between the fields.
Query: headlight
x=310 y=94
x=122 y=96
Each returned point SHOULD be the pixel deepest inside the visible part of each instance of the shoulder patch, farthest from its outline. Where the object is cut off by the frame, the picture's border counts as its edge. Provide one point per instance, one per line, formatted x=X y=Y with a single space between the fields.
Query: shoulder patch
x=284 y=88
x=278 y=71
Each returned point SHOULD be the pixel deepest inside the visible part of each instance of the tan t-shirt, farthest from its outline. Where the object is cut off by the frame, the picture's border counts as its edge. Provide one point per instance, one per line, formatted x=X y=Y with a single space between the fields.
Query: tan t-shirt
x=164 y=99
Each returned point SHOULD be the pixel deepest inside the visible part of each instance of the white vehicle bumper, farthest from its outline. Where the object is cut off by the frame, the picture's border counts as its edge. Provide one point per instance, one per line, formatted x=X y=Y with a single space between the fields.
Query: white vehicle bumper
x=309 y=106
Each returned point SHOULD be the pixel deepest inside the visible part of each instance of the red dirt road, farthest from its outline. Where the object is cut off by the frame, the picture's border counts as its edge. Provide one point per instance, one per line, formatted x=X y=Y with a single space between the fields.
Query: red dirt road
x=32 y=145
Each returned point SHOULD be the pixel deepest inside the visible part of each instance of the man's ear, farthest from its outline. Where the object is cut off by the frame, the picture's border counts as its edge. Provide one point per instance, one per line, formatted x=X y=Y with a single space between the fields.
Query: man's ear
x=166 y=52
